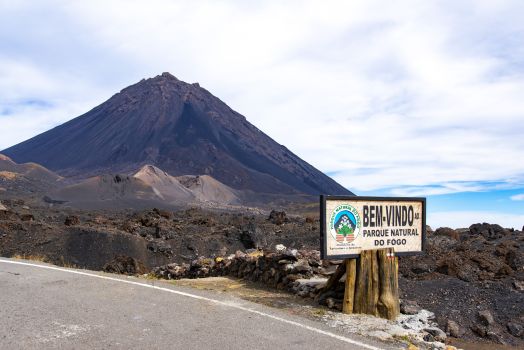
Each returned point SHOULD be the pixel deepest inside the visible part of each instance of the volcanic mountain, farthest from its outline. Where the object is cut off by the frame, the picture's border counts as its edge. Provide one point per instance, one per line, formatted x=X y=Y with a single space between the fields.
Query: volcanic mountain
x=180 y=128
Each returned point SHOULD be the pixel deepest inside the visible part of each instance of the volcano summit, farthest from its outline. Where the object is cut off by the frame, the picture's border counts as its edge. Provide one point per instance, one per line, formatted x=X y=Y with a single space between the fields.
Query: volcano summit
x=182 y=129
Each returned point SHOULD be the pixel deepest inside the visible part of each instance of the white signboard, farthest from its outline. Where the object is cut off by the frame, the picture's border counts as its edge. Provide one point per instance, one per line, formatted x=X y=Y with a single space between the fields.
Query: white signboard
x=352 y=224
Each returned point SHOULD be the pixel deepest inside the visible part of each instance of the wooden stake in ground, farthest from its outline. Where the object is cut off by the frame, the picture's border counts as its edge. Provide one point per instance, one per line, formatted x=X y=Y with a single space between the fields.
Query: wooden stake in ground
x=349 y=290
x=388 y=300
x=372 y=284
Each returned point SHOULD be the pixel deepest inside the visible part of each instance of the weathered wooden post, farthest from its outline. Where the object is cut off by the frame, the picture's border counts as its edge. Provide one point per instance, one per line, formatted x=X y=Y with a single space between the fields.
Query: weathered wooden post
x=372 y=284
x=366 y=231
x=349 y=290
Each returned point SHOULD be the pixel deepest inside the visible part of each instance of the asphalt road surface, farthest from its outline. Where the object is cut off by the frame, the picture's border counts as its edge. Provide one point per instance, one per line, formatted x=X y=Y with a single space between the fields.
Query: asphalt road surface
x=46 y=307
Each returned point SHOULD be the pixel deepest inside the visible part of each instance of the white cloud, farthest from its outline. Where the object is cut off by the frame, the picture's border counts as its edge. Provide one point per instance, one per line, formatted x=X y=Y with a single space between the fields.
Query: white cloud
x=460 y=219
x=518 y=197
x=454 y=187
x=401 y=95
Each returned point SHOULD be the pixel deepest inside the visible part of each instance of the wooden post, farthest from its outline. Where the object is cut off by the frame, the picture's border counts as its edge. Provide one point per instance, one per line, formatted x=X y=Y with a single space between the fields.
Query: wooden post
x=388 y=301
x=372 y=284
x=349 y=291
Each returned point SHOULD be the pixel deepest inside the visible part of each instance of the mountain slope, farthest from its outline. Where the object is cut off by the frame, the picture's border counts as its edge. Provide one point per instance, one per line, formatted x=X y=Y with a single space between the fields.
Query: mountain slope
x=179 y=127
x=164 y=185
x=207 y=189
x=29 y=170
x=25 y=179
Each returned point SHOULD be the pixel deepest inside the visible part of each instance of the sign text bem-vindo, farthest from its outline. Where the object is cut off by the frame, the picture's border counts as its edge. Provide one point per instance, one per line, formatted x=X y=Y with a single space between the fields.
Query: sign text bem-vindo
x=353 y=224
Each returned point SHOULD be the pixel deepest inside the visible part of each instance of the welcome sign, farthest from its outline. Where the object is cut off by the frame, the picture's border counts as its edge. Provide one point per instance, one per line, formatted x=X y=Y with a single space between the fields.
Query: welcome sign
x=352 y=224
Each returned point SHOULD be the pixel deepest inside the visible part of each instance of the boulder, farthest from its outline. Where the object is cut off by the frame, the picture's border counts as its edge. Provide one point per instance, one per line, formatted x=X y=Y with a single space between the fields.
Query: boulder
x=252 y=237
x=409 y=307
x=125 y=265
x=495 y=337
x=486 y=317
x=163 y=213
x=437 y=333
x=420 y=267
x=515 y=329
x=280 y=248
x=278 y=217
x=448 y=232
x=7 y=215
x=518 y=285
x=479 y=329
x=454 y=329
x=488 y=231
x=27 y=217
x=71 y=220
x=160 y=247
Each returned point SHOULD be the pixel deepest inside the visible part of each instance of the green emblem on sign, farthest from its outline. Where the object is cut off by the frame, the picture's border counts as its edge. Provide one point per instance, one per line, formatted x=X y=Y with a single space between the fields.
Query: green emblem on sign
x=345 y=224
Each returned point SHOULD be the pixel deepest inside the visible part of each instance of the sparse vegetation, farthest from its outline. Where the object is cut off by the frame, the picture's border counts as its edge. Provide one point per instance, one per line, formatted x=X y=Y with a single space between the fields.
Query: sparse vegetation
x=32 y=257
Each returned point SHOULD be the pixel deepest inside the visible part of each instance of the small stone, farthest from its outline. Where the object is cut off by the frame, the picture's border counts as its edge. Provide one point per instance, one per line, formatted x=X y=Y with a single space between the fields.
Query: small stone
x=239 y=254
x=305 y=293
x=380 y=335
x=437 y=333
x=397 y=331
x=518 y=285
x=515 y=329
x=330 y=303
x=428 y=338
x=71 y=220
x=302 y=266
x=454 y=329
x=447 y=232
x=420 y=268
x=328 y=271
x=409 y=307
x=336 y=262
x=280 y=248
x=437 y=346
x=291 y=252
x=285 y=261
x=497 y=338
x=479 y=330
x=278 y=217
x=486 y=317
x=27 y=217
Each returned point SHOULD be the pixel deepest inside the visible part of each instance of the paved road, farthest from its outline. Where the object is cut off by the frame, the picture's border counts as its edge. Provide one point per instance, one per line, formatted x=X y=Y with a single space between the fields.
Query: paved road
x=45 y=307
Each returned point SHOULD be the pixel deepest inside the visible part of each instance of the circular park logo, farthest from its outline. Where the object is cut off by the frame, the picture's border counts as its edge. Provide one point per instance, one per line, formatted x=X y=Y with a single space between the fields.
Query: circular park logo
x=345 y=223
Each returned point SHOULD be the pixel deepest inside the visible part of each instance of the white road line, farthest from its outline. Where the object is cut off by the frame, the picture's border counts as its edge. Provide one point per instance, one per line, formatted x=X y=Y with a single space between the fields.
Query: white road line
x=198 y=297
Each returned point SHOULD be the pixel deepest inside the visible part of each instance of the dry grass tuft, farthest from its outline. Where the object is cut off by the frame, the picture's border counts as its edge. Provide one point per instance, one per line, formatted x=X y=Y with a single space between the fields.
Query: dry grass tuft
x=32 y=257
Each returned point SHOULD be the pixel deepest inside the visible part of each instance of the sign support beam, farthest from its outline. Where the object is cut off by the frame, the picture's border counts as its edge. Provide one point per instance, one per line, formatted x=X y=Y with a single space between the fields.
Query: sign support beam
x=371 y=285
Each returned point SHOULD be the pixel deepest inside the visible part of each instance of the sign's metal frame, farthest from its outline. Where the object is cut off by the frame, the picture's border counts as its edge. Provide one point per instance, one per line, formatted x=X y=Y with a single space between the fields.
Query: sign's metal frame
x=323 y=243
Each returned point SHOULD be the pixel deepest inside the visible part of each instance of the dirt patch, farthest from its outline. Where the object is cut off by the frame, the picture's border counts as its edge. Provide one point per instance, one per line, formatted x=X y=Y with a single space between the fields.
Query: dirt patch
x=8 y=175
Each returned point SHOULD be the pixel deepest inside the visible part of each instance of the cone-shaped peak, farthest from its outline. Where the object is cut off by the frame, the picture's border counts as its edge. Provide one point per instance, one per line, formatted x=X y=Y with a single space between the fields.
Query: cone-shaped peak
x=168 y=75
x=151 y=170
x=180 y=128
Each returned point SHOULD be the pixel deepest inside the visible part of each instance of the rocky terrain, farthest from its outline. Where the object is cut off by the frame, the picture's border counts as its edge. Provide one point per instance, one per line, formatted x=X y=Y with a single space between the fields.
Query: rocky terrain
x=471 y=279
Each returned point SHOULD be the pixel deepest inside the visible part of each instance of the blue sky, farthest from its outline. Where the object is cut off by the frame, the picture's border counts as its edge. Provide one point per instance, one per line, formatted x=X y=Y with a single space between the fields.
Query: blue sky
x=411 y=98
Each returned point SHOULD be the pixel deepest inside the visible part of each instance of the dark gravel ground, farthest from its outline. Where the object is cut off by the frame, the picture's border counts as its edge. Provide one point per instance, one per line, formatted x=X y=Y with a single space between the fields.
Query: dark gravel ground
x=463 y=274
